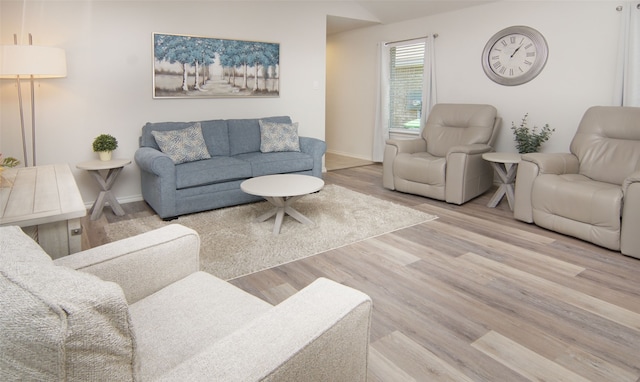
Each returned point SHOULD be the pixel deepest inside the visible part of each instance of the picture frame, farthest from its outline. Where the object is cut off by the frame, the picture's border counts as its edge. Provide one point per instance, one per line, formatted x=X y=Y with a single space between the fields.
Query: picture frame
x=187 y=66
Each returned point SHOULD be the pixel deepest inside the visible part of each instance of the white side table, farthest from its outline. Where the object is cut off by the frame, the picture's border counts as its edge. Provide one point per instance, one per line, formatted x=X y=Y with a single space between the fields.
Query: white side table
x=113 y=168
x=506 y=166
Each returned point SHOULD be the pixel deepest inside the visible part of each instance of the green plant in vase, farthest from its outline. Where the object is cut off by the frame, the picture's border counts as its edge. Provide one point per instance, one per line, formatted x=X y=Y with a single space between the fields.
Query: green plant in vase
x=104 y=144
x=529 y=140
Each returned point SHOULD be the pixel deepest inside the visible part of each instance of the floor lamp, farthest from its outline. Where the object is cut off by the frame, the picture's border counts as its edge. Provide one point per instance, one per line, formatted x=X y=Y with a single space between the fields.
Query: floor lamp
x=33 y=62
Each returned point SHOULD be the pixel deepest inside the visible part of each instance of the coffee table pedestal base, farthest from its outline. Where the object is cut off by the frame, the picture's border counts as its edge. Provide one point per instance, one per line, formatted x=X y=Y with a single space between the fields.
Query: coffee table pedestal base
x=282 y=206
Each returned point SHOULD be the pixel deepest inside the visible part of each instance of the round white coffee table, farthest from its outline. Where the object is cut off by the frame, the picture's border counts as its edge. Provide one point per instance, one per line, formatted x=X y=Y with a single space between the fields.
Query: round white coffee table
x=282 y=190
x=505 y=166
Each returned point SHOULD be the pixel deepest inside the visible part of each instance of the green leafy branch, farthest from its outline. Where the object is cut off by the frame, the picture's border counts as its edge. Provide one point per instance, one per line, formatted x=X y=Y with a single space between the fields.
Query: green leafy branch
x=529 y=140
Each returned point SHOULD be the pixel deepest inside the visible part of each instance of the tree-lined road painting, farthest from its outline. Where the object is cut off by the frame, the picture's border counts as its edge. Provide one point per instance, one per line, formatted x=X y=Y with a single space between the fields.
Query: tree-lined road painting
x=189 y=66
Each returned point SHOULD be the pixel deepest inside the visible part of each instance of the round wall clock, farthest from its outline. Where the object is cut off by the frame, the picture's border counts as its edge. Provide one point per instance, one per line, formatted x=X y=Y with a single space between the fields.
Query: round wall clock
x=515 y=55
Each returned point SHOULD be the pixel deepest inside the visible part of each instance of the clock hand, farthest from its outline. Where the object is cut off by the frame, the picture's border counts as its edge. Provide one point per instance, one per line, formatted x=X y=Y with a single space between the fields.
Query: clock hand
x=516 y=51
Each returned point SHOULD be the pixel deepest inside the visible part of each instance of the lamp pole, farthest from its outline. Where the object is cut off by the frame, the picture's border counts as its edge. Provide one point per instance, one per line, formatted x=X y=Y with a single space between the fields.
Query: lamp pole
x=24 y=140
x=33 y=112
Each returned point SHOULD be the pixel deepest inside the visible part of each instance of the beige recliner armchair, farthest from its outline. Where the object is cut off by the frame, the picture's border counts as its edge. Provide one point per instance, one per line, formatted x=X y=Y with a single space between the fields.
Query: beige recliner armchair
x=445 y=163
x=592 y=193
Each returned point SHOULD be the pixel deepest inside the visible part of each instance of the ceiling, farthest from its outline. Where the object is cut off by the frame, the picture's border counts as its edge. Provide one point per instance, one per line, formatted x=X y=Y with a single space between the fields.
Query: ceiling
x=391 y=11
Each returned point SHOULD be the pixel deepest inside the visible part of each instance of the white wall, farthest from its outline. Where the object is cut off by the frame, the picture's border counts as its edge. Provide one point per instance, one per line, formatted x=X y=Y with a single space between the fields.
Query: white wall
x=109 y=84
x=582 y=39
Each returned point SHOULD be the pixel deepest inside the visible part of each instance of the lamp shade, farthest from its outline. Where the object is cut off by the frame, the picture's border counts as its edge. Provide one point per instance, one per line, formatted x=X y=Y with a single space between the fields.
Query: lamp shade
x=38 y=61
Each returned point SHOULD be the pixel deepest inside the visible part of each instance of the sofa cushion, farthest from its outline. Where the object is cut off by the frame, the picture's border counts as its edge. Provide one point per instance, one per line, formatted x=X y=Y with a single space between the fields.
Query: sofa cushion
x=182 y=319
x=58 y=323
x=244 y=134
x=275 y=137
x=183 y=145
x=214 y=170
x=215 y=133
x=277 y=162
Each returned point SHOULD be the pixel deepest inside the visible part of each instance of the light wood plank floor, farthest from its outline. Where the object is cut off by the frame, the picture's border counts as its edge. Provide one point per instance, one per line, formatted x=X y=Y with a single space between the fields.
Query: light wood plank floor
x=474 y=295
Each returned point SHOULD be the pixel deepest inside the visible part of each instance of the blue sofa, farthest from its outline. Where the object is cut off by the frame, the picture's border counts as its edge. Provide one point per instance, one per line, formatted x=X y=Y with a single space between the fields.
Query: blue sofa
x=234 y=145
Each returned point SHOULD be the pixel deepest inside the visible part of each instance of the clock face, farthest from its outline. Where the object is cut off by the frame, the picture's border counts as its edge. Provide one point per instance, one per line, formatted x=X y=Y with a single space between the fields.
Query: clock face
x=514 y=55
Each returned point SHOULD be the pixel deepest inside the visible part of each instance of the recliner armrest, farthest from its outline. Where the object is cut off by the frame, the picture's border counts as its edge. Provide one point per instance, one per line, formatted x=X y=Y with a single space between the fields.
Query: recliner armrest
x=413 y=145
x=142 y=264
x=320 y=333
x=532 y=165
x=392 y=148
x=554 y=163
x=630 y=230
x=476 y=148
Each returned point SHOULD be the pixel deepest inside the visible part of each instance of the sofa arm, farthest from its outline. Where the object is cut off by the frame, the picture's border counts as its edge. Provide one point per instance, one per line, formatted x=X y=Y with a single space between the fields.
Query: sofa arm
x=319 y=334
x=532 y=165
x=316 y=148
x=154 y=161
x=158 y=181
x=142 y=264
x=630 y=232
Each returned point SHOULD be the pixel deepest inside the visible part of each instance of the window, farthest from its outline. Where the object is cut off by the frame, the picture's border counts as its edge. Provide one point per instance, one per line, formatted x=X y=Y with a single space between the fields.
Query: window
x=407 y=62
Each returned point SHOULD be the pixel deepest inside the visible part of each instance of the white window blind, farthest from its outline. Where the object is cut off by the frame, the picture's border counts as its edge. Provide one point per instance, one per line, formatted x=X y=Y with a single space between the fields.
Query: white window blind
x=406 y=69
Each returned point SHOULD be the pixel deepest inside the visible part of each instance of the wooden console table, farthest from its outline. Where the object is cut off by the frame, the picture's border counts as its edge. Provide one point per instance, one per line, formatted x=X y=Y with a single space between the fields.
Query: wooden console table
x=46 y=203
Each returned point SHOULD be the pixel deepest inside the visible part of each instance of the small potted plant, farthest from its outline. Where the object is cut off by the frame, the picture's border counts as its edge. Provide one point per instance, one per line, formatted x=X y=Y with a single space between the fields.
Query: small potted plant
x=529 y=140
x=104 y=144
x=8 y=162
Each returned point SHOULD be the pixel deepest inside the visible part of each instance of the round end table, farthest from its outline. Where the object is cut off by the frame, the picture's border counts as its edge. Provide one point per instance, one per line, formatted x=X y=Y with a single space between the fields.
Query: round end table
x=505 y=165
x=106 y=182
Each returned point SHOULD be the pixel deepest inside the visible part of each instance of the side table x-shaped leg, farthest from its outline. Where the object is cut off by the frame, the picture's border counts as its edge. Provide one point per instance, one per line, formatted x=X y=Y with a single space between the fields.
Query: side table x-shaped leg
x=106 y=196
x=505 y=166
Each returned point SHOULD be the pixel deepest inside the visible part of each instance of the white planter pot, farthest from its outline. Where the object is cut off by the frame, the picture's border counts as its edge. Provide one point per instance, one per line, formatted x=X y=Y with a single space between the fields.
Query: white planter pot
x=105 y=155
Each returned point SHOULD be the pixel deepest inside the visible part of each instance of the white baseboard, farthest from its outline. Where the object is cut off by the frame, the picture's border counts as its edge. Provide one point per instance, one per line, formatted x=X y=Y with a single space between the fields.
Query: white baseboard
x=348 y=155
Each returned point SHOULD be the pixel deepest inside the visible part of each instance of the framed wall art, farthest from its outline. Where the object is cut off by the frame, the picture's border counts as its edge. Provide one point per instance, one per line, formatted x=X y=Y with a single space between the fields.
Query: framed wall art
x=204 y=67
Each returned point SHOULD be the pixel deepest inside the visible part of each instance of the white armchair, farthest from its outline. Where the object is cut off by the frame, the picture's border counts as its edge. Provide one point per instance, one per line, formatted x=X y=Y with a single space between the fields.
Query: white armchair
x=139 y=309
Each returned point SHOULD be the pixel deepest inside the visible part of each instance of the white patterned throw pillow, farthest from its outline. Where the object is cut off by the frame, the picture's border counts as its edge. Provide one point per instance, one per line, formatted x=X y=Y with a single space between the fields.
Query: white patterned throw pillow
x=183 y=145
x=278 y=137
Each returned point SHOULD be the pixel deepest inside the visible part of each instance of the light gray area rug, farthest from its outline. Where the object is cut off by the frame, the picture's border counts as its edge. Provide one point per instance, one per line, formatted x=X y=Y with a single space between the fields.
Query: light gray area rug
x=233 y=244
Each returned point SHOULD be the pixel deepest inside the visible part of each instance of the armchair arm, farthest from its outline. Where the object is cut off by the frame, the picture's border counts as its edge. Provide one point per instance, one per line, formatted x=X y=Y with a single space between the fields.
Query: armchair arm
x=319 y=334
x=142 y=264
x=553 y=163
x=410 y=146
x=476 y=148
x=316 y=148
x=630 y=232
x=394 y=147
x=467 y=174
x=529 y=168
